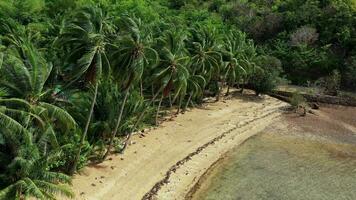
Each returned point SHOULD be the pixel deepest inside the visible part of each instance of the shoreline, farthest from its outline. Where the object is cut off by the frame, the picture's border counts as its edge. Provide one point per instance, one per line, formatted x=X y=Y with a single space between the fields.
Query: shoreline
x=187 y=175
x=177 y=153
x=340 y=141
x=192 y=192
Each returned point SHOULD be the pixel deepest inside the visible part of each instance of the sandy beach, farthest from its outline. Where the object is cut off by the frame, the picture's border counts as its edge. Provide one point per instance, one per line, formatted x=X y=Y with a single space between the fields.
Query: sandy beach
x=167 y=161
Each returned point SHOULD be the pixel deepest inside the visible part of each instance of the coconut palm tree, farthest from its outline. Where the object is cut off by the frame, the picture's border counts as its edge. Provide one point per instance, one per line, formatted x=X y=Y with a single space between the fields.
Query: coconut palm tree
x=132 y=55
x=249 y=61
x=196 y=84
x=204 y=51
x=24 y=73
x=86 y=35
x=29 y=125
x=238 y=56
x=27 y=174
x=170 y=73
x=234 y=72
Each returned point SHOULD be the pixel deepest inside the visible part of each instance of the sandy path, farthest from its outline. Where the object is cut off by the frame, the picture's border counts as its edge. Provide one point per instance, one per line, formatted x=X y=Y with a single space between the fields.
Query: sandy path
x=132 y=175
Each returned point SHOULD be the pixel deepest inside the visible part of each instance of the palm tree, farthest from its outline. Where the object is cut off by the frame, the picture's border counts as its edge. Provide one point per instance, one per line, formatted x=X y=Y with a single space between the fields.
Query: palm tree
x=86 y=35
x=196 y=84
x=28 y=124
x=249 y=61
x=27 y=174
x=204 y=51
x=24 y=73
x=238 y=55
x=172 y=72
x=129 y=60
x=233 y=73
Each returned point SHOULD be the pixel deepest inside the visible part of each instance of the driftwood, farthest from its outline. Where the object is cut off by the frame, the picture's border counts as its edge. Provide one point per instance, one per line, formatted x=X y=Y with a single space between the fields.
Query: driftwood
x=317 y=98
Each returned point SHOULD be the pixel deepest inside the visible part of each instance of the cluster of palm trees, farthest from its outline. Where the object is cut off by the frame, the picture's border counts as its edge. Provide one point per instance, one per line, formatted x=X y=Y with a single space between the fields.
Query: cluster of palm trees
x=108 y=78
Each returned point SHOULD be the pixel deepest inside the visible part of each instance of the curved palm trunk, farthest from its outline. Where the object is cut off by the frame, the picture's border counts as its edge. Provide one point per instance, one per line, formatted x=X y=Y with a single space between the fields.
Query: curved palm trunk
x=180 y=105
x=228 y=90
x=77 y=156
x=158 y=109
x=242 y=87
x=218 y=97
x=189 y=99
x=118 y=121
x=170 y=101
x=137 y=122
x=219 y=91
x=244 y=81
x=141 y=89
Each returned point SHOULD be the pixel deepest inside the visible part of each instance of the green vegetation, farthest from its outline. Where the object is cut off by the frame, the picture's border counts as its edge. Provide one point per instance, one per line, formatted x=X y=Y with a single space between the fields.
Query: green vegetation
x=298 y=102
x=312 y=38
x=79 y=77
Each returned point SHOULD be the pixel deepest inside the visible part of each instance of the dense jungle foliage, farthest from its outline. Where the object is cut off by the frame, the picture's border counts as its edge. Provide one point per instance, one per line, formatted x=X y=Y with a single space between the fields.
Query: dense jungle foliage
x=78 y=77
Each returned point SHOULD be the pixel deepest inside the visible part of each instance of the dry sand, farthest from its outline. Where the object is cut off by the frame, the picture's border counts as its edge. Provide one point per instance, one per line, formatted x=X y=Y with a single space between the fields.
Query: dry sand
x=169 y=160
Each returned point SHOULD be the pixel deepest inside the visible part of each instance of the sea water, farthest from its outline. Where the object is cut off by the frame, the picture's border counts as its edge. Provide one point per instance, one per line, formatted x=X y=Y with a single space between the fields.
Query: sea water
x=284 y=167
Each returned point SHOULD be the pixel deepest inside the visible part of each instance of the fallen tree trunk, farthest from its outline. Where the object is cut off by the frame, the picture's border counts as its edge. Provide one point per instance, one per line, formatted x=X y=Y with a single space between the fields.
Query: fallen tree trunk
x=318 y=98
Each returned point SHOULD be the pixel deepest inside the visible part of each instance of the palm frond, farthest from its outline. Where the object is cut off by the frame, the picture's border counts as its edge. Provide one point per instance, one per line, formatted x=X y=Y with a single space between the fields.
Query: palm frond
x=12 y=124
x=51 y=188
x=59 y=114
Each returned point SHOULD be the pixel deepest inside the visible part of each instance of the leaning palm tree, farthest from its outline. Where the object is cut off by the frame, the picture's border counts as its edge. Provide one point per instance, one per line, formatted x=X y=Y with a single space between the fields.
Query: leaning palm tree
x=24 y=73
x=233 y=73
x=86 y=35
x=132 y=55
x=204 y=52
x=249 y=61
x=238 y=56
x=28 y=175
x=196 y=84
x=29 y=125
x=170 y=73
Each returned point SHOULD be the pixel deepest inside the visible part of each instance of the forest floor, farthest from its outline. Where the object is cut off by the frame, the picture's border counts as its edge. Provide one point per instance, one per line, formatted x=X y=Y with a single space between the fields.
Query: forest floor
x=168 y=161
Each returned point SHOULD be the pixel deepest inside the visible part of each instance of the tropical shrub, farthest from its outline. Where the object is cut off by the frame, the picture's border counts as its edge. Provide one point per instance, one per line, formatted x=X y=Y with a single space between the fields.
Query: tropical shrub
x=299 y=103
x=349 y=76
x=331 y=83
x=266 y=76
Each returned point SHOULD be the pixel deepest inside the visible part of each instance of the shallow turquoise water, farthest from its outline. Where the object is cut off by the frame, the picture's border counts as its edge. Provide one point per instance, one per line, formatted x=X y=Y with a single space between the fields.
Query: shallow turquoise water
x=283 y=167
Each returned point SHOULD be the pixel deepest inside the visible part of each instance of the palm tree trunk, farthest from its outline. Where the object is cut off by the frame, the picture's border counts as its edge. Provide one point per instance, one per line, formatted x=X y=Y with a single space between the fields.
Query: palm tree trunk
x=141 y=88
x=242 y=88
x=117 y=125
x=170 y=101
x=219 y=91
x=77 y=156
x=137 y=122
x=228 y=90
x=159 y=106
x=189 y=99
x=180 y=105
